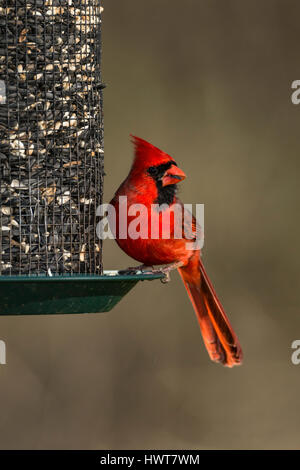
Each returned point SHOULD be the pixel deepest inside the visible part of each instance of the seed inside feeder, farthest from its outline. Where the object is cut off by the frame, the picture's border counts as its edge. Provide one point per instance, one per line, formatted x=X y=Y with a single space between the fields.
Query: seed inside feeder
x=51 y=145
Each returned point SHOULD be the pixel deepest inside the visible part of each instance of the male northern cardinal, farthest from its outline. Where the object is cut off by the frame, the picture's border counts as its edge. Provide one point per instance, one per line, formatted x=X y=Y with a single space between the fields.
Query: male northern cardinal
x=152 y=180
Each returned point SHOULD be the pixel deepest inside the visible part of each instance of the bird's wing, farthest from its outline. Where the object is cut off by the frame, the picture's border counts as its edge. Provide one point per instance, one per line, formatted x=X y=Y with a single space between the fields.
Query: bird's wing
x=191 y=228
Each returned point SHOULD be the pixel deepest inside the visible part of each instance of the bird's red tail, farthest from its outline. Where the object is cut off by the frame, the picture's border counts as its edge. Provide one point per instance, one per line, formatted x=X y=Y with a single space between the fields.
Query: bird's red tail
x=219 y=338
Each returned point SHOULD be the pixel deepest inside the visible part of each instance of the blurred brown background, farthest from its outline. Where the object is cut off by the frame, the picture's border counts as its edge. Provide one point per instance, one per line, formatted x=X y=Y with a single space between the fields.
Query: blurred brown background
x=210 y=83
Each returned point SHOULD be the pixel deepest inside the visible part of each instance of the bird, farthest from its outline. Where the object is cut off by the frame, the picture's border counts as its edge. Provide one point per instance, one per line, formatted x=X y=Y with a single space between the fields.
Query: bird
x=152 y=184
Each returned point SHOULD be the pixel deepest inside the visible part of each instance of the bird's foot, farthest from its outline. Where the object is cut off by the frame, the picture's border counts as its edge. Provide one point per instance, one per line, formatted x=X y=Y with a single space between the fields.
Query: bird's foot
x=151 y=270
x=166 y=271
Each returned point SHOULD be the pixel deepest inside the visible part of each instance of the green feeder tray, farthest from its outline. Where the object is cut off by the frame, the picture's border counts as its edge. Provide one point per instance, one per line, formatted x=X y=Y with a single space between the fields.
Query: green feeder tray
x=61 y=294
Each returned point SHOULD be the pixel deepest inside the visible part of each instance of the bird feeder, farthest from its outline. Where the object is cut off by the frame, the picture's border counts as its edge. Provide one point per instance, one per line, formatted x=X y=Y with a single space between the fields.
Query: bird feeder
x=51 y=160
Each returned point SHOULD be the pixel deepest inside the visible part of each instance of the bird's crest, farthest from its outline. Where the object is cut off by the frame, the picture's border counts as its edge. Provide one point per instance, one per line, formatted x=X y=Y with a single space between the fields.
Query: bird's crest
x=147 y=155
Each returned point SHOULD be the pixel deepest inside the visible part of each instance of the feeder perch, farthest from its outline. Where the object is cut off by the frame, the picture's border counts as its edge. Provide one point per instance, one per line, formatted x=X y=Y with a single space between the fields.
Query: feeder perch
x=30 y=295
x=51 y=160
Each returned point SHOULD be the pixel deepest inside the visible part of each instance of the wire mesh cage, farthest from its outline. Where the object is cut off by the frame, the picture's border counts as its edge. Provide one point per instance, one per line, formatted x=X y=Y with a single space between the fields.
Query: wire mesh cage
x=51 y=136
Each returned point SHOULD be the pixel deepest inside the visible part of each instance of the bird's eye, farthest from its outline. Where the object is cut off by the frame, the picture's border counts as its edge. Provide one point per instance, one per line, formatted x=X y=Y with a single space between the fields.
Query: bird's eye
x=158 y=171
x=153 y=170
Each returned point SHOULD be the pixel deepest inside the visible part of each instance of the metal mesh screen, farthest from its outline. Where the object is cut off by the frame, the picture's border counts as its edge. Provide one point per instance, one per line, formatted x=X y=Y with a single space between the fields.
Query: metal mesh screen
x=51 y=136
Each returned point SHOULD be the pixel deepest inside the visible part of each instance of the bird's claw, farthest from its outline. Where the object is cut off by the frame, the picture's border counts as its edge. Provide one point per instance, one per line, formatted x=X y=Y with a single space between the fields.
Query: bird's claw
x=166 y=274
x=166 y=278
x=149 y=270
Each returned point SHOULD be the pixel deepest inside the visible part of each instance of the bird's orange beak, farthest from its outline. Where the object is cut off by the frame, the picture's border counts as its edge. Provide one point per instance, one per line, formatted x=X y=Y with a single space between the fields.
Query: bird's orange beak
x=173 y=175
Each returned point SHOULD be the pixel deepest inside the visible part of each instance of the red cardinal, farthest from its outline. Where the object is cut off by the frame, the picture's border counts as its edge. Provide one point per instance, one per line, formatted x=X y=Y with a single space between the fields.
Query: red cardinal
x=152 y=180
